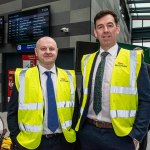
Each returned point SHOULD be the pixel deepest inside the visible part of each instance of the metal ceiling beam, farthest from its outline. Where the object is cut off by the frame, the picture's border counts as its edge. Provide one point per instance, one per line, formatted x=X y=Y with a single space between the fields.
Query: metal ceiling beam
x=140 y=40
x=140 y=10
x=140 y=17
x=137 y=36
x=140 y=33
x=137 y=1
x=142 y=30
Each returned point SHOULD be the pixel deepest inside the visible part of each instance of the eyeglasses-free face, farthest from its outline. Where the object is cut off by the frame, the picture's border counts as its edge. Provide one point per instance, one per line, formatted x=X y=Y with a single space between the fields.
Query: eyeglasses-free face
x=106 y=31
x=46 y=51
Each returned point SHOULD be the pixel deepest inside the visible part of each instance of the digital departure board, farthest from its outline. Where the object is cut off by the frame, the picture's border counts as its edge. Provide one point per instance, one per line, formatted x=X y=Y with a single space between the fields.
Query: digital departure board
x=1 y=29
x=28 y=26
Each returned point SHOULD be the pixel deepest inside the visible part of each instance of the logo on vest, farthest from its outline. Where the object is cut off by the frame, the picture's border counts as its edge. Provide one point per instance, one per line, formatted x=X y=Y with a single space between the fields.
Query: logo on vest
x=120 y=64
x=64 y=80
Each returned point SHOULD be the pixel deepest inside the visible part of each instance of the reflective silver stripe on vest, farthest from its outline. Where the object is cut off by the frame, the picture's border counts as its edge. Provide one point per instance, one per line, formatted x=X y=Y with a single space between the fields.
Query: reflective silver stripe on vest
x=21 y=82
x=66 y=124
x=65 y=104
x=133 y=61
x=81 y=111
x=123 y=90
x=29 y=128
x=131 y=89
x=85 y=90
x=71 y=85
x=122 y=113
x=31 y=106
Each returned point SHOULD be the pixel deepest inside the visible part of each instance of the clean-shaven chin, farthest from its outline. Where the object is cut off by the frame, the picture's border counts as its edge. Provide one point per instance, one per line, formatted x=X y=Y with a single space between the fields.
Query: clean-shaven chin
x=106 y=45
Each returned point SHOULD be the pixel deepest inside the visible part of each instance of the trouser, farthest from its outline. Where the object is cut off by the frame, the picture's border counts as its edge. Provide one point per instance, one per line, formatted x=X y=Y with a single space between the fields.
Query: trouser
x=93 y=138
x=56 y=142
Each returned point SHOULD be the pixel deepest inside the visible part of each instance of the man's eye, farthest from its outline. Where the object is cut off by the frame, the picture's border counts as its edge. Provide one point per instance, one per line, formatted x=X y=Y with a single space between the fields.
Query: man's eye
x=43 y=49
x=52 y=49
x=99 y=27
x=110 y=25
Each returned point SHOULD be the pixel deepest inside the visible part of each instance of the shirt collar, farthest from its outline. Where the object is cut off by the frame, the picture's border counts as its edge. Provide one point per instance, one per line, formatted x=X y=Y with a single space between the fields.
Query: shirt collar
x=113 y=50
x=42 y=69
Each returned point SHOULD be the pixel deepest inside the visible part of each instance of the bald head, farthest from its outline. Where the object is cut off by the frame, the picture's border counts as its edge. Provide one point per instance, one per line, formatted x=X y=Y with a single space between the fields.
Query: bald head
x=45 y=38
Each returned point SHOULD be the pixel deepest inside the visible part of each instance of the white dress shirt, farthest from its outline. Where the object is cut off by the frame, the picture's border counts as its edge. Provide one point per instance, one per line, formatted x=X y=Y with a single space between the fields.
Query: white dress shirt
x=104 y=114
x=43 y=78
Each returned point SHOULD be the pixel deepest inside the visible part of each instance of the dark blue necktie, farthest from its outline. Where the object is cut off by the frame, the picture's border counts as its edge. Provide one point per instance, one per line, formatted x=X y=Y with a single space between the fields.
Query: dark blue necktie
x=98 y=84
x=52 y=109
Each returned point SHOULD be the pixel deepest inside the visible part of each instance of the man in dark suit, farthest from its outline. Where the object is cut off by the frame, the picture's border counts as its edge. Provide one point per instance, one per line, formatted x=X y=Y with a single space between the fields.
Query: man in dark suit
x=115 y=99
x=148 y=68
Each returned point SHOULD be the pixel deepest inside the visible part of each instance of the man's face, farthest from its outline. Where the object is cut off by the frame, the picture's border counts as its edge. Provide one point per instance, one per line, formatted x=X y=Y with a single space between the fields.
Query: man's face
x=106 y=31
x=46 y=51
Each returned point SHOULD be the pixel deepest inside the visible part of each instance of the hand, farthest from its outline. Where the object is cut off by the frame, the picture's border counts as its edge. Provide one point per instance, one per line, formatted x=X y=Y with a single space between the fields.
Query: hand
x=136 y=143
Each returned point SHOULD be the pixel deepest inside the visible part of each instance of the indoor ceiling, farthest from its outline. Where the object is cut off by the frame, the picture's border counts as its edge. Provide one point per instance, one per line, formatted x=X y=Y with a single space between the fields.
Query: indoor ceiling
x=139 y=9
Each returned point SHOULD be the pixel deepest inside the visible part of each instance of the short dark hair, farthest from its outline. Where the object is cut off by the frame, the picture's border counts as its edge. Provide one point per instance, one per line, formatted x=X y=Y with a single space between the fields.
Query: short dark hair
x=104 y=13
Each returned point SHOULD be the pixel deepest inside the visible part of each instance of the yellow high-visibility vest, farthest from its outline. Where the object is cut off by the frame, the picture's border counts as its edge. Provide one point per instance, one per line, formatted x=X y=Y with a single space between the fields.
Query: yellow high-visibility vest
x=123 y=89
x=31 y=104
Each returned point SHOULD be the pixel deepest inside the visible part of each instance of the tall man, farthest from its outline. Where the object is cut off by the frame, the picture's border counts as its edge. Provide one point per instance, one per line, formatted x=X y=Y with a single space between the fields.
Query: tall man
x=42 y=103
x=115 y=102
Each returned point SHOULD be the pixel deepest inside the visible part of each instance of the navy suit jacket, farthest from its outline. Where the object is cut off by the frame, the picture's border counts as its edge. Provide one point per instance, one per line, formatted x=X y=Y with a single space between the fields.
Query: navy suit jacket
x=142 y=119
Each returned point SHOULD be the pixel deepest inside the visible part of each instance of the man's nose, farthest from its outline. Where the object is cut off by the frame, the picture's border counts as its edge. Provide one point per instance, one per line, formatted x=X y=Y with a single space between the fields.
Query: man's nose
x=48 y=50
x=105 y=29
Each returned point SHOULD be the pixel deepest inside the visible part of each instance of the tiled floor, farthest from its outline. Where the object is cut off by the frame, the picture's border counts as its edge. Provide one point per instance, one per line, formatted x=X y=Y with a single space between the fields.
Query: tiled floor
x=3 y=115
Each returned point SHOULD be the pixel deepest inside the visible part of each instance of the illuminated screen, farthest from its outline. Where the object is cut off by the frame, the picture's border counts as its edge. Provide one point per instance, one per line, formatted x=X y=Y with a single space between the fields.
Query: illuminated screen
x=28 y=26
x=1 y=29
x=25 y=47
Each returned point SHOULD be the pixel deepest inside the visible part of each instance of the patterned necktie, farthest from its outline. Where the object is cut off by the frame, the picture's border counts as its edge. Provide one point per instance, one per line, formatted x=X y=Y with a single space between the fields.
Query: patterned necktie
x=98 y=84
x=52 y=110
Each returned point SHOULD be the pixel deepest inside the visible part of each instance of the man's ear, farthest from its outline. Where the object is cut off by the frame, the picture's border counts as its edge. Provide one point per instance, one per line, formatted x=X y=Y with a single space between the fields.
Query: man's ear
x=95 y=33
x=35 y=50
x=118 y=29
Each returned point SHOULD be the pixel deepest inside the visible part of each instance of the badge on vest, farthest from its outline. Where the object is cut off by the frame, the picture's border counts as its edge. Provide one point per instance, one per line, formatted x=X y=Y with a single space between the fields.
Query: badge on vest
x=120 y=64
x=64 y=80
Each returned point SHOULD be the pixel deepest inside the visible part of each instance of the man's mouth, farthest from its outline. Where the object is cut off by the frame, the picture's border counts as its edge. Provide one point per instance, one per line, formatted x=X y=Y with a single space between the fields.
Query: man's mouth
x=106 y=36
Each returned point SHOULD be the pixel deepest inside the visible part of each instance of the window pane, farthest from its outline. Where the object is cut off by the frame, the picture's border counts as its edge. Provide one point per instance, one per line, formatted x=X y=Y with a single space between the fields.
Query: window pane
x=138 y=44
x=146 y=23
x=137 y=23
x=146 y=44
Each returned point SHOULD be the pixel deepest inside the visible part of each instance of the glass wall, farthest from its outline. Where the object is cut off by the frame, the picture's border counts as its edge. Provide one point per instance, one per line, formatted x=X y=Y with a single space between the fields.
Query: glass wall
x=140 y=24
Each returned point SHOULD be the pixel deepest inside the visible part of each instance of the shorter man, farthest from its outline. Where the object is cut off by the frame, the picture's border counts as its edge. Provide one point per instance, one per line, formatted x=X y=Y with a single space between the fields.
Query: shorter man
x=42 y=103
